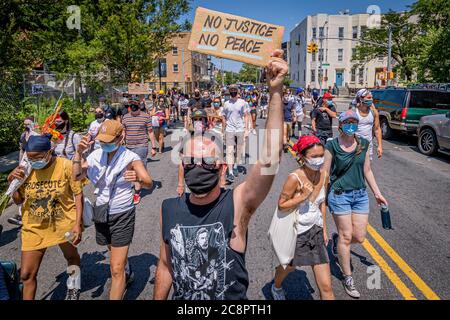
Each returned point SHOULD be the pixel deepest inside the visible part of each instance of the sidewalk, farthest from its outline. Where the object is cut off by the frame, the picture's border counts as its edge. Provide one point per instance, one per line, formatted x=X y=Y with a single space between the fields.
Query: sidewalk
x=9 y=162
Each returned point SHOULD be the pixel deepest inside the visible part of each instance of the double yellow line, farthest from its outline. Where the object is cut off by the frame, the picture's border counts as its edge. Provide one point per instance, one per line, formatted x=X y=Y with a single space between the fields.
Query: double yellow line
x=392 y=276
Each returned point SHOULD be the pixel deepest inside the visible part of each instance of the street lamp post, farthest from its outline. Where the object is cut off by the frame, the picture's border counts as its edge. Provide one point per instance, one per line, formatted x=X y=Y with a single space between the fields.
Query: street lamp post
x=389 y=62
x=320 y=75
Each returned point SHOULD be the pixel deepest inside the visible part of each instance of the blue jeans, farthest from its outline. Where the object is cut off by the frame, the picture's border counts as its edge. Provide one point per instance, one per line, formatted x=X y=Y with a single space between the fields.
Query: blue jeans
x=348 y=202
x=4 y=295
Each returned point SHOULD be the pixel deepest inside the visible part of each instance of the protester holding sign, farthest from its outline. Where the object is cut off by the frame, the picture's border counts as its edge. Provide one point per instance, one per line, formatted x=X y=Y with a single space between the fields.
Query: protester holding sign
x=204 y=234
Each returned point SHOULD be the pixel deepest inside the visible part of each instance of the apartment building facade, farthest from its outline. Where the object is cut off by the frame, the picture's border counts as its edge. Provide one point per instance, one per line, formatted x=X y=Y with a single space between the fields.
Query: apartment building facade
x=182 y=68
x=341 y=33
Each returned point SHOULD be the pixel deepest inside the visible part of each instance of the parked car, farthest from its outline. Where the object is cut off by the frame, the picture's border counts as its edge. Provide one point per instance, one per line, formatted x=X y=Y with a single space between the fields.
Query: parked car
x=434 y=134
x=401 y=109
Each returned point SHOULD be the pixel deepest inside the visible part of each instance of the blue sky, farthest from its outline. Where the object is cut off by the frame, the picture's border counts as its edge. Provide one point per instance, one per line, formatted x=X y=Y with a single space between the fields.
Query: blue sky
x=289 y=12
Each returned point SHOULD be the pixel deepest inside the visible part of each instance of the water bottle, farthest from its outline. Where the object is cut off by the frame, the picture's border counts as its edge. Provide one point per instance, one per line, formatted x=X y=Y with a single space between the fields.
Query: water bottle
x=385 y=217
x=70 y=237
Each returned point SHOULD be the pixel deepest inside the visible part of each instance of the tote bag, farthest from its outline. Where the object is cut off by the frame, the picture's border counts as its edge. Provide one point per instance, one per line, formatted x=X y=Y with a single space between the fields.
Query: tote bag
x=283 y=235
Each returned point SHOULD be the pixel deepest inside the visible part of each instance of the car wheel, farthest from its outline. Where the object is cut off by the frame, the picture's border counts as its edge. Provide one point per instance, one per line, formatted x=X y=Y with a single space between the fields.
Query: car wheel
x=427 y=142
x=386 y=130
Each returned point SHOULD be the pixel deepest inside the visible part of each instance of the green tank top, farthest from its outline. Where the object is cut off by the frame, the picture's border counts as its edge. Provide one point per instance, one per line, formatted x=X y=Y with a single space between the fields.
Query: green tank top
x=353 y=179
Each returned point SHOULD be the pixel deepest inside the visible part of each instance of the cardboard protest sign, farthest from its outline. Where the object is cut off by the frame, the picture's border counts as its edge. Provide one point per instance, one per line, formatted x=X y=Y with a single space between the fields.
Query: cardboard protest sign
x=233 y=37
x=138 y=88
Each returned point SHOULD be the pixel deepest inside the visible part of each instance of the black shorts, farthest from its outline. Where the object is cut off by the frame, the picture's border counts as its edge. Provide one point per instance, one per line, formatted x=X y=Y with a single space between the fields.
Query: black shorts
x=118 y=231
x=310 y=249
x=184 y=112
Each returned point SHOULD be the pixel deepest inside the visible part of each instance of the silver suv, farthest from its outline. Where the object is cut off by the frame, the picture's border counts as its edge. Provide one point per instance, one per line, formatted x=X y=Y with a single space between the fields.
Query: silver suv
x=434 y=134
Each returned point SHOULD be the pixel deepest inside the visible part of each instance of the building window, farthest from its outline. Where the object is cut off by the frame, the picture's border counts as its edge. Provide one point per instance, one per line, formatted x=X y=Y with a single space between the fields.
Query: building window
x=353 y=53
x=313 y=75
x=313 y=57
x=320 y=54
x=314 y=33
x=340 y=54
x=361 y=75
x=355 y=32
x=175 y=67
x=353 y=75
x=175 y=51
x=363 y=31
x=304 y=75
x=341 y=33
x=321 y=34
x=162 y=65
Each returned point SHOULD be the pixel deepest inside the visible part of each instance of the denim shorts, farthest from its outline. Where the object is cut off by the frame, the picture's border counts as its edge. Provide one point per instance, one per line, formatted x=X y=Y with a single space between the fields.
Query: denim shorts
x=142 y=152
x=354 y=201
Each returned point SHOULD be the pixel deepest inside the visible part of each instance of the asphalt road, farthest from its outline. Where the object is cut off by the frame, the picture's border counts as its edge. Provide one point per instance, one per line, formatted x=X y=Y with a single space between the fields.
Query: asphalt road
x=411 y=261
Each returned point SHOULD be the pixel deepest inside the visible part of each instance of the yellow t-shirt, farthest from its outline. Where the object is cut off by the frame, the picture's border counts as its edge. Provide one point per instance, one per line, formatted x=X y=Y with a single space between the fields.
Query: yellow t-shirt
x=48 y=211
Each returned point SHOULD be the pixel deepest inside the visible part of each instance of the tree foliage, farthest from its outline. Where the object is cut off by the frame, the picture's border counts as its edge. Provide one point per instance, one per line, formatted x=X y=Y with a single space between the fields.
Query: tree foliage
x=420 y=41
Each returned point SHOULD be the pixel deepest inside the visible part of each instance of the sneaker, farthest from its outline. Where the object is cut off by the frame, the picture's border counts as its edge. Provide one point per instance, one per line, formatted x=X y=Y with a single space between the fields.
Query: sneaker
x=277 y=294
x=349 y=286
x=16 y=220
x=285 y=148
x=136 y=199
x=129 y=278
x=235 y=171
x=73 y=294
x=254 y=131
x=334 y=242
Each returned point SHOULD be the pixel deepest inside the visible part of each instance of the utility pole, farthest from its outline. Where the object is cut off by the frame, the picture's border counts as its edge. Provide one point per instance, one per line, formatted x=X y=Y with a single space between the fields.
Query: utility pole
x=159 y=69
x=389 y=62
x=182 y=70
x=321 y=36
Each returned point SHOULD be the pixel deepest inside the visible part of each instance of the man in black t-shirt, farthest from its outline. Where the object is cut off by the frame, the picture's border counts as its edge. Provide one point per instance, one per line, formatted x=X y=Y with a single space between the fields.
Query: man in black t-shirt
x=204 y=233
x=196 y=101
x=322 y=118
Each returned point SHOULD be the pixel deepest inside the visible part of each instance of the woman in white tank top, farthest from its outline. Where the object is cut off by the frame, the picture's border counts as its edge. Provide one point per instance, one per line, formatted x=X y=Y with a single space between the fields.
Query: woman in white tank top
x=305 y=190
x=369 y=121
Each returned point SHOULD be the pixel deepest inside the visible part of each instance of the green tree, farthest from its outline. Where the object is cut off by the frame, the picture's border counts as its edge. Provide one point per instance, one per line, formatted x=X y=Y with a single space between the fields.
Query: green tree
x=404 y=37
x=433 y=44
x=249 y=73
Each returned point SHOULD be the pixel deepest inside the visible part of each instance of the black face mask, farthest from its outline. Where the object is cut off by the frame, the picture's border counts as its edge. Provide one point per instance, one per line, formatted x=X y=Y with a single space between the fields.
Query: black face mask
x=197 y=94
x=99 y=116
x=233 y=94
x=134 y=108
x=60 y=126
x=200 y=180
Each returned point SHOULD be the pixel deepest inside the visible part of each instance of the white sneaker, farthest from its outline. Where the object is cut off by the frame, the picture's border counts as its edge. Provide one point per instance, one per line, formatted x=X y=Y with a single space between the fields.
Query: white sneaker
x=254 y=131
x=277 y=294
x=349 y=286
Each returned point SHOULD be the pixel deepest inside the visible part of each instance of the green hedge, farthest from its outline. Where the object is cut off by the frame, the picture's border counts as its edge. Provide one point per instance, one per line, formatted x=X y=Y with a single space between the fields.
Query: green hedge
x=12 y=116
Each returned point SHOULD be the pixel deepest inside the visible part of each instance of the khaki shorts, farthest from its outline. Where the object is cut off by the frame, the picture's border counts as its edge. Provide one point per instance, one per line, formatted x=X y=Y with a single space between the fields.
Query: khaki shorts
x=230 y=142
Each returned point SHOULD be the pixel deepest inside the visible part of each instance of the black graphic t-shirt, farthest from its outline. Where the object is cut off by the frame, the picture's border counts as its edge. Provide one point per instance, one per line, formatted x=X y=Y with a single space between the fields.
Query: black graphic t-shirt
x=204 y=266
x=323 y=121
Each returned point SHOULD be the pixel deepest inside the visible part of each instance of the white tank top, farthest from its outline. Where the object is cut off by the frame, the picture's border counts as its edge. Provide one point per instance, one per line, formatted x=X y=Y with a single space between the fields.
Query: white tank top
x=365 y=125
x=309 y=213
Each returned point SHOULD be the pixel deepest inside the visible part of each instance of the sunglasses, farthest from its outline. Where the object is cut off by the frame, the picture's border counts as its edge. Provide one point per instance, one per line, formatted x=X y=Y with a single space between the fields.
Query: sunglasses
x=208 y=163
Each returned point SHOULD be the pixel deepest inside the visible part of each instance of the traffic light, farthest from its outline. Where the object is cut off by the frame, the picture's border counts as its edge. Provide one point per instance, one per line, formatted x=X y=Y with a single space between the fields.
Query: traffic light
x=312 y=47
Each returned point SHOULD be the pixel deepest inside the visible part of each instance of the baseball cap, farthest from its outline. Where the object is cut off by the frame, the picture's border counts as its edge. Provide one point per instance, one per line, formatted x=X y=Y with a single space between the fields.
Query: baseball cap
x=199 y=114
x=233 y=87
x=328 y=96
x=349 y=114
x=299 y=90
x=109 y=130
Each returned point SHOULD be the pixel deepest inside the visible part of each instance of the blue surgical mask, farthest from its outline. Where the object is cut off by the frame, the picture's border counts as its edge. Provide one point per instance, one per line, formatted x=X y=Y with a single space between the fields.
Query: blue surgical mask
x=330 y=103
x=39 y=164
x=367 y=103
x=350 y=128
x=216 y=105
x=109 y=147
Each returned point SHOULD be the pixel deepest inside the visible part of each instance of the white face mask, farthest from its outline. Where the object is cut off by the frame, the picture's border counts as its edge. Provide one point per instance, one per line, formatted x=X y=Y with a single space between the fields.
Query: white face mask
x=315 y=163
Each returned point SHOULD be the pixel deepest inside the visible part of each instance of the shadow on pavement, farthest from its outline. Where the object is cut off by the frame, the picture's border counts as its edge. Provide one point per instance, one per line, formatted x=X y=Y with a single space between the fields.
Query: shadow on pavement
x=94 y=274
x=156 y=185
x=141 y=265
x=9 y=236
x=296 y=287
x=362 y=259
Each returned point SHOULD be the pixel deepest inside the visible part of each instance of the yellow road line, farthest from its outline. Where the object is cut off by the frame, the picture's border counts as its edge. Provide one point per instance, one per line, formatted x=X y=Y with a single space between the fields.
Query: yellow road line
x=392 y=276
x=418 y=282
